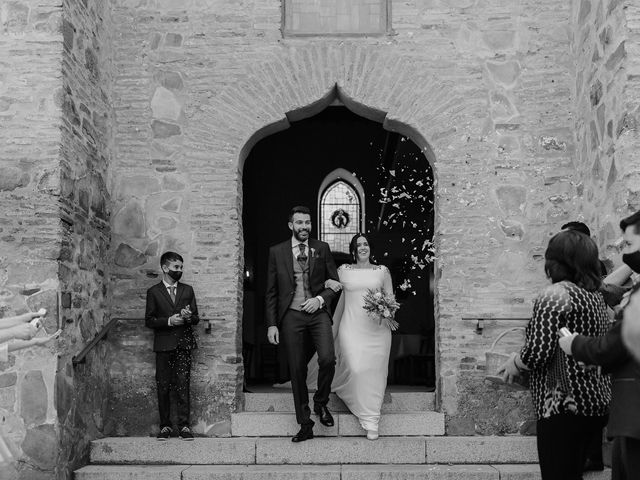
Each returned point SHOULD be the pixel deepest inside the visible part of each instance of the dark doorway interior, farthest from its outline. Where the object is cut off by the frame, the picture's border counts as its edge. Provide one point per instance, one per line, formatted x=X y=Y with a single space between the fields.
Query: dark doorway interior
x=287 y=169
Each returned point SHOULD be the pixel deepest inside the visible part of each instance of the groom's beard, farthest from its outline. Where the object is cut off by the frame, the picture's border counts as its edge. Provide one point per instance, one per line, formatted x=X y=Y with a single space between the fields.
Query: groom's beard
x=296 y=234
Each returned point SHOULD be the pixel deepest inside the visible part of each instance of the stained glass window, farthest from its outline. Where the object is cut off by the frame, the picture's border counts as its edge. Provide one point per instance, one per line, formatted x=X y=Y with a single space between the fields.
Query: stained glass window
x=340 y=215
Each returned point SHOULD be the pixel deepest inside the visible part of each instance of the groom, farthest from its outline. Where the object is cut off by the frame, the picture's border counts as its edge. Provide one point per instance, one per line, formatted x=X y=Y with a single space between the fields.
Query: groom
x=297 y=309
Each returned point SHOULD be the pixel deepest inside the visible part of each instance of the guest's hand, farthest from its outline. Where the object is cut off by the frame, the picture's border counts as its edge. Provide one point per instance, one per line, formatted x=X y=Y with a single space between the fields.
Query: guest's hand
x=31 y=315
x=310 y=305
x=508 y=369
x=176 y=320
x=565 y=343
x=185 y=313
x=24 y=331
x=48 y=338
x=333 y=285
x=273 y=335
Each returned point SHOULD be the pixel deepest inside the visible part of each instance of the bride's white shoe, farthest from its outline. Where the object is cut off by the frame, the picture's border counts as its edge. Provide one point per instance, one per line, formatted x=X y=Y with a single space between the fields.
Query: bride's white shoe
x=372 y=434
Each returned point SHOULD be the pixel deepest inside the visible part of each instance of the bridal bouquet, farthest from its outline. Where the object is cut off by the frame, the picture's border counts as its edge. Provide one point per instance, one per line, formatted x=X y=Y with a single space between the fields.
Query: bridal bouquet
x=382 y=306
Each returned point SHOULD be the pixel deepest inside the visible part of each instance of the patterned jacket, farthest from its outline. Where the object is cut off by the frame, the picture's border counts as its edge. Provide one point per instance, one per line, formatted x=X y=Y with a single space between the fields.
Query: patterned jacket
x=558 y=383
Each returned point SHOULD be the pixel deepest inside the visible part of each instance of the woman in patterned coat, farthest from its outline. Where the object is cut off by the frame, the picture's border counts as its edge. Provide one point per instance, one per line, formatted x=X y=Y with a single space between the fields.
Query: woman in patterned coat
x=571 y=402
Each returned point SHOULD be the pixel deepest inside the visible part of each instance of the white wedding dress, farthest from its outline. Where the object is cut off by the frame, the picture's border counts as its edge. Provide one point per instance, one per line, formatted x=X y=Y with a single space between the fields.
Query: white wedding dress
x=362 y=346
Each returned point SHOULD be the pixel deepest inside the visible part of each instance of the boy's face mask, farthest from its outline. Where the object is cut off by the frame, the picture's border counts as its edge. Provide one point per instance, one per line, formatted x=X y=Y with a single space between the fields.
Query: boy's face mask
x=175 y=274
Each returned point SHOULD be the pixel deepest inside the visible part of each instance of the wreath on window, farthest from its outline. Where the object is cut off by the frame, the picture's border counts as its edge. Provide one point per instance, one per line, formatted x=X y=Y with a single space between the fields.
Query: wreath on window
x=340 y=218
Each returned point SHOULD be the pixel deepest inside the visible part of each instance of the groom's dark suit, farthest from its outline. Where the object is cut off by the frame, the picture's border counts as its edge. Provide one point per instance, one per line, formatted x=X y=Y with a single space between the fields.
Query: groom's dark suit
x=295 y=325
x=173 y=345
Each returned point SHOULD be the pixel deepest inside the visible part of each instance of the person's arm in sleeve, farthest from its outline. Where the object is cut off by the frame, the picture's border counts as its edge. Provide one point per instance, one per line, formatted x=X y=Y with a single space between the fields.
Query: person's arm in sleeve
x=631 y=325
x=612 y=294
x=151 y=320
x=619 y=276
x=328 y=294
x=542 y=331
x=607 y=351
x=271 y=294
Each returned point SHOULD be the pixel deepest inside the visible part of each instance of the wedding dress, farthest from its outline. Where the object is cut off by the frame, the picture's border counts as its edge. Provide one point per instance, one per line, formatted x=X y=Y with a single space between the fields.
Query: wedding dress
x=362 y=346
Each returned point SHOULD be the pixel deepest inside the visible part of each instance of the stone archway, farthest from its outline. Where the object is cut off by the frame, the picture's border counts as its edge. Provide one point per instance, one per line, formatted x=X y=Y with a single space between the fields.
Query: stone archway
x=397 y=91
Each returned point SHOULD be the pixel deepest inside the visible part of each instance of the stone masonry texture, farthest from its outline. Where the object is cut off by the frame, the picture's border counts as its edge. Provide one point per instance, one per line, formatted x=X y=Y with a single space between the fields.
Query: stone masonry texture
x=30 y=230
x=55 y=230
x=125 y=127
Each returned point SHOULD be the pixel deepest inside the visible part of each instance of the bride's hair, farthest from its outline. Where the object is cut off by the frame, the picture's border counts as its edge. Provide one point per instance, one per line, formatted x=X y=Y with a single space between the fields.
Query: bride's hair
x=353 y=248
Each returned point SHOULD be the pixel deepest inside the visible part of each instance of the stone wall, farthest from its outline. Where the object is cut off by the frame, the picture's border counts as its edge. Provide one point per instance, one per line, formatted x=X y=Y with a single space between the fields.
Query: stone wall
x=483 y=86
x=54 y=107
x=86 y=150
x=30 y=108
x=126 y=126
x=606 y=45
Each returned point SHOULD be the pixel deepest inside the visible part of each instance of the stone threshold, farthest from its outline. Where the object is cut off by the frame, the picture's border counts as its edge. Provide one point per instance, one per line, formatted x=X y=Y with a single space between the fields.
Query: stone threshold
x=320 y=472
x=322 y=450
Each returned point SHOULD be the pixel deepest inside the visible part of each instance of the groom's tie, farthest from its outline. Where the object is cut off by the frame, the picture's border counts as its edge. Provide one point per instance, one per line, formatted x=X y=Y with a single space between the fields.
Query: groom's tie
x=302 y=261
x=302 y=257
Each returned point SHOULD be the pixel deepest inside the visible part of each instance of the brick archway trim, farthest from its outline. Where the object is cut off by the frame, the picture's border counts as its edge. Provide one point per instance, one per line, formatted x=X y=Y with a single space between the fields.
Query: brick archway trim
x=298 y=82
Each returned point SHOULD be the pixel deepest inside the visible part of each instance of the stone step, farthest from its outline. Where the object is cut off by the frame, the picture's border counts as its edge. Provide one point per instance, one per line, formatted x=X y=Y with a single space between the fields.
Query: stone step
x=321 y=450
x=394 y=402
x=149 y=451
x=257 y=424
x=319 y=472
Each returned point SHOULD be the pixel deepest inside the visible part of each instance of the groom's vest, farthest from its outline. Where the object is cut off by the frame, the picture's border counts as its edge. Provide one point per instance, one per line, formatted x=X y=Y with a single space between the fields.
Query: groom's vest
x=301 y=293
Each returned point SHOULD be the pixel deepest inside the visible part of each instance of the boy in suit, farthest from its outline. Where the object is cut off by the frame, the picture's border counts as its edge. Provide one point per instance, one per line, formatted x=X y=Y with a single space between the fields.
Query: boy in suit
x=171 y=312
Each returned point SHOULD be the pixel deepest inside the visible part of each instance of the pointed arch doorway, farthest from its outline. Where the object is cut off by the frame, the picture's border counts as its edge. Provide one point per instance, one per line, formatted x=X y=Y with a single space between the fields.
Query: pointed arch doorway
x=332 y=157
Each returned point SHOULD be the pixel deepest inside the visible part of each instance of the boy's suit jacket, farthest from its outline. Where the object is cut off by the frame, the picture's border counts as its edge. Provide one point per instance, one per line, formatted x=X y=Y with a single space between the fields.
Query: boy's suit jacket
x=281 y=285
x=160 y=307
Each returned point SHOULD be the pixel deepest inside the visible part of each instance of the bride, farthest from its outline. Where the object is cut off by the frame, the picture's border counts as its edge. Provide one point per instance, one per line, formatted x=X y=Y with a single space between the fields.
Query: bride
x=362 y=345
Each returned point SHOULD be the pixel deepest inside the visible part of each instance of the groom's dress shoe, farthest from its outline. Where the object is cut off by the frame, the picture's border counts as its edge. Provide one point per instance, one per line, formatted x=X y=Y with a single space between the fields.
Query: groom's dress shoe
x=305 y=433
x=324 y=415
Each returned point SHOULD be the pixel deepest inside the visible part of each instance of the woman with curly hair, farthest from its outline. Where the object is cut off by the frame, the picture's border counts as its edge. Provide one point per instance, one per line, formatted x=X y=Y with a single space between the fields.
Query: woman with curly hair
x=571 y=402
